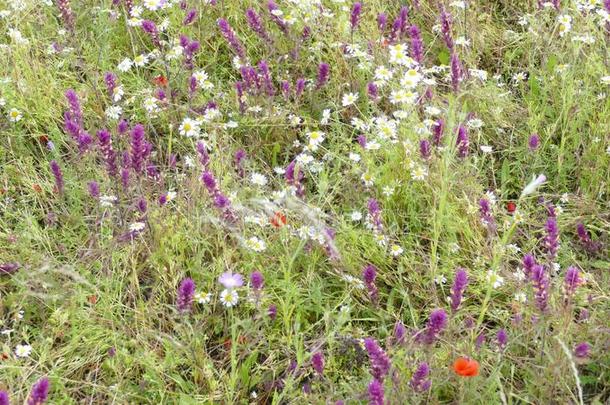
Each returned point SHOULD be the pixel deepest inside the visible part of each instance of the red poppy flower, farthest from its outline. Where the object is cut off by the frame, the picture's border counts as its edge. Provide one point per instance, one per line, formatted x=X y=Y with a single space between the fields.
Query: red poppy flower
x=160 y=81
x=466 y=367
x=278 y=220
x=511 y=207
x=43 y=139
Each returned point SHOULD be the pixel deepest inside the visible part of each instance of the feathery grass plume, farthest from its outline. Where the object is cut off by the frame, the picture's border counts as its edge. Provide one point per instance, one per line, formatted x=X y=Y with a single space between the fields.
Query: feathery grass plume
x=435 y=326
x=40 y=392
x=551 y=240
x=355 y=15
x=457 y=290
x=229 y=35
x=456 y=72
x=317 y=362
x=533 y=143
x=274 y=14
x=571 y=281
x=150 y=28
x=540 y=281
x=417 y=45
x=186 y=291
x=94 y=189
x=502 y=338
x=376 y=393
x=4 y=399
x=437 y=132
x=190 y=17
x=419 y=381
x=67 y=15
x=256 y=25
x=380 y=362
x=139 y=149
x=58 y=176
x=368 y=275
x=462 y=142
x=323 y=74
x=446 y=22
x=108 y=153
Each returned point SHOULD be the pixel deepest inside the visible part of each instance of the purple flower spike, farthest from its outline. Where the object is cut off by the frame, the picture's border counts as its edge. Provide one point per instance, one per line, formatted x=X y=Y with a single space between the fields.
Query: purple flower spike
x=528 y=264
x=551 y=241
x=110 y=80
x=67 y=16
x=380 y=362
x=400 y=332
x=323 y=74
x=369 y=274
x=541 y=284
x=376 y=393
x=58 y=175
x=375 y=215
x=502 y=338
x=229 y=35
x=533 y=142
x=317 y=362
x=420 y=382
x=425 y=149
x=417 y=45
x=9 y=268
x=186 y=291
x=273 y=8
x=372 y=91
x=585 y=240
x=40 y=392
x=446 y=28
x=382 y=21
x=459 y=285
x=150 y=28
x=4 y=400
x=256 y=24
x=266 y=75
x=94 y=189
x=462 y=143
x=456 y=72
x=572 y=281
x=139 y=149
x=582 y=350
x=108 y=154
x=437 y=132
x=272 y=312
x=190 y=17
x=435 y=326
x=257 y=280
x=355 y=15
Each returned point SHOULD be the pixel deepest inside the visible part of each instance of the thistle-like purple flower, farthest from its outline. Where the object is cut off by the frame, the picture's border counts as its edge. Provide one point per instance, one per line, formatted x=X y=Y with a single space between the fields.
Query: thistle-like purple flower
x=40 y=392
x=229 y=35
x=551 y=241
x=368 y=275
x=376 y=393
x=462 y=143
x=541 y=284
x=58 y=175
x=150 y=28
x=186 y=292
x=323 y=74
x=435 y=326
x=437 y=132
x=256 y=25
x=355 y=15
x=380 y=362
x=457 y=290
x=571 y=281
x=582 y=350
x=317 y=362
x=419 y=381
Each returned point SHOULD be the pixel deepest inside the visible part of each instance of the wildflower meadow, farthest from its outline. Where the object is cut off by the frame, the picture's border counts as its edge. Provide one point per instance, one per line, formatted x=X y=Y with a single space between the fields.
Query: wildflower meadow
x=304 y=202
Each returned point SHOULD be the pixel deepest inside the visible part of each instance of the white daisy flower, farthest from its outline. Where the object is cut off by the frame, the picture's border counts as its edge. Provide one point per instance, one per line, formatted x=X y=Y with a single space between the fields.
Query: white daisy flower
x=349 y=99
x=258 y=179
x=107 y=200
x=256 y=244
x=494 y=279
x=137 y=226
x=14 y=115
x=395 y=250
x=356 y=216
x=125 y=65
x=229 y=298
x=189 y=128
x=203 y=298
x=23 y=350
